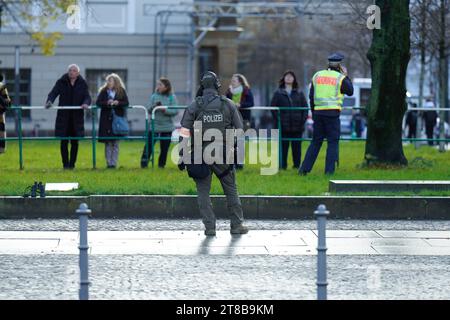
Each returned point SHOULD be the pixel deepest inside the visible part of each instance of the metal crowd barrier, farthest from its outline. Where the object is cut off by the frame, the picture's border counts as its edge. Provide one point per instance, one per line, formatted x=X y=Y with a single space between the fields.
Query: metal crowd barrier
x=249 y=109
x=280 y=137
x=149 y=128
x=93 y=136
x=256 y=108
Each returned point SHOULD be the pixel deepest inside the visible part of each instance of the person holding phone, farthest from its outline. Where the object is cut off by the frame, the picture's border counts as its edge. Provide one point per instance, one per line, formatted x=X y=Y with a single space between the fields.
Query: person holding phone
x=326 y=95
x=163 y=124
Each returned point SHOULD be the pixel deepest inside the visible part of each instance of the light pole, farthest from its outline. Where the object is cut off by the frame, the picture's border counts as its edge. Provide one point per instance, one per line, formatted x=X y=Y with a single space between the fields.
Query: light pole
x=17 y=84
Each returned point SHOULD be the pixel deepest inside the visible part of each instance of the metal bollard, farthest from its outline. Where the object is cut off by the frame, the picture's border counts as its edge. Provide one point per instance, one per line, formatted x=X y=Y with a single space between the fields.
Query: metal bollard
x=83 y=212
x=321 y=215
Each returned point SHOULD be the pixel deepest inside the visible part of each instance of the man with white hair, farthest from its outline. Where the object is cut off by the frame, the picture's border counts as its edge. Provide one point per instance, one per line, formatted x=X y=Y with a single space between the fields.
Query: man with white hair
x=73 y=91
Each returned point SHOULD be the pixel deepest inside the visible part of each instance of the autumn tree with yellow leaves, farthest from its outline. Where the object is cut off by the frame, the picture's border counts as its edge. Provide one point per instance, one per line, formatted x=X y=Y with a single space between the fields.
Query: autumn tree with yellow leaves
x=33 y=18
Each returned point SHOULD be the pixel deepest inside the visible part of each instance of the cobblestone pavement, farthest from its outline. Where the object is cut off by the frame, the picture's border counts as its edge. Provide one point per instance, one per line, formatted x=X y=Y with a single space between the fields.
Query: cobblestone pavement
x=136 y=225
x=222 y=277
x=154 y=260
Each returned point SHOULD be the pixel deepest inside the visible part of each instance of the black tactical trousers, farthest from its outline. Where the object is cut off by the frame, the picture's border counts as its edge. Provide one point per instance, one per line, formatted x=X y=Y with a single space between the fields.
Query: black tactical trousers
x=229 y=188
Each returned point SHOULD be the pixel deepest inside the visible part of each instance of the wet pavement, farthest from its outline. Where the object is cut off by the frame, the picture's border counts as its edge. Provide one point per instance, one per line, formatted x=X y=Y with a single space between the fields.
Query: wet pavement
x=221 y=277
x=257 y=242
x=173 y=260
x=188 y=224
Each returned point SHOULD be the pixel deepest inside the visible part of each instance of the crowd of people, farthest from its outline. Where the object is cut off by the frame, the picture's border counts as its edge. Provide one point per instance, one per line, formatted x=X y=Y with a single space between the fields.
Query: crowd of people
x=112 y=99
x=429 y=118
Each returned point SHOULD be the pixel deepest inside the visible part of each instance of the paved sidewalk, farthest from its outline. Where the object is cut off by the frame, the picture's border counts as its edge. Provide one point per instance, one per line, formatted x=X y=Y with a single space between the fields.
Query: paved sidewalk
x=257 y=242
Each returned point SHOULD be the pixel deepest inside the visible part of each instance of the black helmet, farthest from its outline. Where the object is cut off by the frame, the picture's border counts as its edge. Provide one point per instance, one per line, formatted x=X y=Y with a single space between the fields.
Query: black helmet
x=210 y=81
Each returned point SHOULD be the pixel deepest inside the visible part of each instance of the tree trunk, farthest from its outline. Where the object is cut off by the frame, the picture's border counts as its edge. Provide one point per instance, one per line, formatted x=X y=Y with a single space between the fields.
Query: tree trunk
x=389 y=57
x=443 y=75
x=423 y=36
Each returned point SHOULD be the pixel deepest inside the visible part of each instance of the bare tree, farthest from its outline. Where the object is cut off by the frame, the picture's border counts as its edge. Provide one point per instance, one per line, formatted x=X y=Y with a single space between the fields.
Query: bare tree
x=420 y=41
x=443 y=67
x=303 y=44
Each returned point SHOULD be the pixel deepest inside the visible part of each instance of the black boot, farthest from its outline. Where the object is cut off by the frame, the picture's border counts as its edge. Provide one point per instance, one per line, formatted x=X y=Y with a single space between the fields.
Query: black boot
x=210 y=232
x=239 y=229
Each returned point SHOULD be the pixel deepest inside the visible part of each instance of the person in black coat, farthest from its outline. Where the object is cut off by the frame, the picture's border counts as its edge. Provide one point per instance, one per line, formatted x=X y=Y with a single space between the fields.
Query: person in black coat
x=288 y=95
x=411 y=122
x=112 y=96
x=430 y=118
x=72 y=90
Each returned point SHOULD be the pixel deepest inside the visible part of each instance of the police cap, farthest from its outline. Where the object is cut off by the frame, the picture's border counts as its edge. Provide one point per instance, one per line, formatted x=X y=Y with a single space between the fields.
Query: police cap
x=336 y=57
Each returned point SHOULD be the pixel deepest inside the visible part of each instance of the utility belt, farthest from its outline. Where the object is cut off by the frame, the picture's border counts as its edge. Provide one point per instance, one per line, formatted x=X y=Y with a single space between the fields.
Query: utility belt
x=203 y=170
x=198 y=171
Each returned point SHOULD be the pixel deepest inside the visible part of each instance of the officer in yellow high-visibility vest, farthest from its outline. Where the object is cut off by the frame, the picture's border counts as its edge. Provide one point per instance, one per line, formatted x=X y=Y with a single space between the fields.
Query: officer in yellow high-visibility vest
x=326 y=96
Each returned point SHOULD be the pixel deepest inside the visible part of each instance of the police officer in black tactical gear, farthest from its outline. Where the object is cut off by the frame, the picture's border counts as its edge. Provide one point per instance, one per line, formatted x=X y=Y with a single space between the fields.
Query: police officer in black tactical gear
x=209 y=110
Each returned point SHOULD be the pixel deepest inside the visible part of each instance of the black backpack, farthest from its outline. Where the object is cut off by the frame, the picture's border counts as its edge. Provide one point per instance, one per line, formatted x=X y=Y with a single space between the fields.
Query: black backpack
x=211 y=118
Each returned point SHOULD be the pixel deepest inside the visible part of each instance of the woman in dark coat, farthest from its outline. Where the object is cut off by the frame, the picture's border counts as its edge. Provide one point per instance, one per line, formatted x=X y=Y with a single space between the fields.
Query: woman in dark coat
x=288 y=95
x=112 y=96
x=72 y=90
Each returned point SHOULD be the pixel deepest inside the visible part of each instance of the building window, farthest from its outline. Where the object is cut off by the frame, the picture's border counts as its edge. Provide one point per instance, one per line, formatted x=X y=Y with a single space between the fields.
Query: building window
x=24 y=92
x=207 y=59
x=107 y=16
x=96 y=78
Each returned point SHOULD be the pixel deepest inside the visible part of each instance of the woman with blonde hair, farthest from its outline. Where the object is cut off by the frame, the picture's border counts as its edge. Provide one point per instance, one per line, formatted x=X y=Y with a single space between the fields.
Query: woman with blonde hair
x=112 y=97
x=241 y=94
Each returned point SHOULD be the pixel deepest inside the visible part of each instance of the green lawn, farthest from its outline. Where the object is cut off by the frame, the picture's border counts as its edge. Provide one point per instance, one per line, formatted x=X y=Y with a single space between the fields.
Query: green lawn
x=42 y=163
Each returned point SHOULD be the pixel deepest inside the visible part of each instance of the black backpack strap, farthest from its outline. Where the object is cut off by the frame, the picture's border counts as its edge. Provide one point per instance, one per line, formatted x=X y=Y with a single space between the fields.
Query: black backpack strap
x=224 y=101
x=200 y=102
